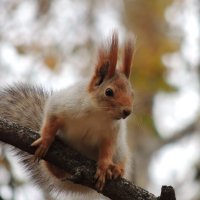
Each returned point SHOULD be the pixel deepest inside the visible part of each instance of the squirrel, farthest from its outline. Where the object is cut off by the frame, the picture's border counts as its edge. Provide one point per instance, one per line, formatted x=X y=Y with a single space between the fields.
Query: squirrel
x=89 y=116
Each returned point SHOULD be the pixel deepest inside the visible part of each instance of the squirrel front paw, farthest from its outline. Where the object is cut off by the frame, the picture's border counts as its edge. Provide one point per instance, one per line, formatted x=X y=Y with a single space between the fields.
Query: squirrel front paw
x=42 y=148
x=117 y=171
x=103 y=172
x=106 y=172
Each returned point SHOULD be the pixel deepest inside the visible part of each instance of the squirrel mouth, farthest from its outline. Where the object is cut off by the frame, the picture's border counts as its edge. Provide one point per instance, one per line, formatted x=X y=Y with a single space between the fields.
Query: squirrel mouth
x=121 y=117
x=118 y=117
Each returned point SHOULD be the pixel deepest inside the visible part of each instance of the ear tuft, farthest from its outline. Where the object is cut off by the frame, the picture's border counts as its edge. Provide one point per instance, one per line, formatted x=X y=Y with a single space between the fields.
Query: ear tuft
x=113 y=54
x=127 y=57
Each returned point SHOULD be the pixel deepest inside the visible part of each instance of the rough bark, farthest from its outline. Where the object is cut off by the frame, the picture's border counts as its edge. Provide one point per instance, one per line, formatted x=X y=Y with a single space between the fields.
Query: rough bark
x=83 y=169
x=167 y=193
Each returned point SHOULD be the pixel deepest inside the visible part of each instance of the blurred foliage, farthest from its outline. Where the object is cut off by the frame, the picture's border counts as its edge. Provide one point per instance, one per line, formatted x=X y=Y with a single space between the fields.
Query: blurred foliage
x=10 y=179
x=146 y=19
x=51 y=60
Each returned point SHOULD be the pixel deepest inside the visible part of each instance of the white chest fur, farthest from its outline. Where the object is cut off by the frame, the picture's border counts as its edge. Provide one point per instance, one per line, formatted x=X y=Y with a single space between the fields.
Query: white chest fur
x=85 y=133
x=84 y=124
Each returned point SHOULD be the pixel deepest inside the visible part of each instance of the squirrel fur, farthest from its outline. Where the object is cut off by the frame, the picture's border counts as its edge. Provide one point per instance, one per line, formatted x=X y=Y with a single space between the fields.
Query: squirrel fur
x=89 y=116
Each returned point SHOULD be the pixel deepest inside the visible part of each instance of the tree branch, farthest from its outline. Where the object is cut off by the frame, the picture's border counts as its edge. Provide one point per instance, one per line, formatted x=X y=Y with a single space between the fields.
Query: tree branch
x=167 y=193
x=188 y=130
x=73 y=162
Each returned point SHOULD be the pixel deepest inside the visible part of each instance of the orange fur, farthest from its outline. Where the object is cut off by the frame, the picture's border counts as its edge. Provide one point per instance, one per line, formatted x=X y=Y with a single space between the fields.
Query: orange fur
x=50 y=128
x=106 y=168
x=98 y=74
x=104 y=162
x=106 y=64
x=126 y=101
x=122 y=95
x=48 y=133
x=106 y=151
x=113 y=53
x=127 y=58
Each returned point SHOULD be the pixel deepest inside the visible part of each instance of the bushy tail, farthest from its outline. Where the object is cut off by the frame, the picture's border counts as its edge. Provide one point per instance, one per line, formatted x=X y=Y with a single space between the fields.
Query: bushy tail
x=23 y=104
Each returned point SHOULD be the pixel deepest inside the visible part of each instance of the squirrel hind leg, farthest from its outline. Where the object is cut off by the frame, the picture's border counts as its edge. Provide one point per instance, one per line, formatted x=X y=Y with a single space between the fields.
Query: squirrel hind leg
x=57 y=172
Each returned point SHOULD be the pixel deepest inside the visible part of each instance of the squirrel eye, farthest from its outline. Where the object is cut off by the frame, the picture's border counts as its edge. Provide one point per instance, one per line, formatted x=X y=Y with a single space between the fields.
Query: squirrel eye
x=109 y=92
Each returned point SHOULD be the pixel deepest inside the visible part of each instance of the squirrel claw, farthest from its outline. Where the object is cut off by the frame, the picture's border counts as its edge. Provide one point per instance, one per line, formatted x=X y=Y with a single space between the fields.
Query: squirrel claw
x=37 y=142
x=101 y=175
x=112 y=171
x=109 y=174
x=36 y=159
x=41 y=149
x=117 y=171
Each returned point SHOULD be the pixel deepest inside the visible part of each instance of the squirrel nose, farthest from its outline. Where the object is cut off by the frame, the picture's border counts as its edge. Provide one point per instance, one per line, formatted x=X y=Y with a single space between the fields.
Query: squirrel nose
x=126 y=113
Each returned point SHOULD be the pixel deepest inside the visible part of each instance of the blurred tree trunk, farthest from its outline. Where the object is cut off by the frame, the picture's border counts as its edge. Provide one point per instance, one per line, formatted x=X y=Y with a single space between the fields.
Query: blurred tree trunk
x=147 y=21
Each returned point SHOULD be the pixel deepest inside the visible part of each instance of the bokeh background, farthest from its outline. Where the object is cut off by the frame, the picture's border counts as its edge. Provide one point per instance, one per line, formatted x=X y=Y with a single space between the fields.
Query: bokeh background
x=53 y=43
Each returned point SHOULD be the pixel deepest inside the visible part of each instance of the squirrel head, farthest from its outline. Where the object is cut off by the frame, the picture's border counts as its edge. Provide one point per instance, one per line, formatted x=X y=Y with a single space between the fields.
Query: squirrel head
x=110 y=87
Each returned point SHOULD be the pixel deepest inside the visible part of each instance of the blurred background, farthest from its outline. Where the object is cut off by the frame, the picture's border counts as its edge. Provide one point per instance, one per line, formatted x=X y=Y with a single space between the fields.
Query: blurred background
x=53 y=43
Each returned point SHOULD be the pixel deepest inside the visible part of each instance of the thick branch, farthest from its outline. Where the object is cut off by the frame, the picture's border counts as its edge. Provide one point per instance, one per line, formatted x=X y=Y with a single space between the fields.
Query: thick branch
x=167 y=193
x=68 y=159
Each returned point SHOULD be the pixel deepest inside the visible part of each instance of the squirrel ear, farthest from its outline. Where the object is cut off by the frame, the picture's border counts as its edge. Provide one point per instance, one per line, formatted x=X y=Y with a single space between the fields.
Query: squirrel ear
x=101 y=73
x=106 y=64
x=127 y=57
x=101 y=70
x=102 y=66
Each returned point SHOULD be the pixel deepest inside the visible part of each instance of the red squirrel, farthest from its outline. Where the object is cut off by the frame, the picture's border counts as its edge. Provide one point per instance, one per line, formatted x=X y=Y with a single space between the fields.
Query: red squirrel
x=89 y=115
